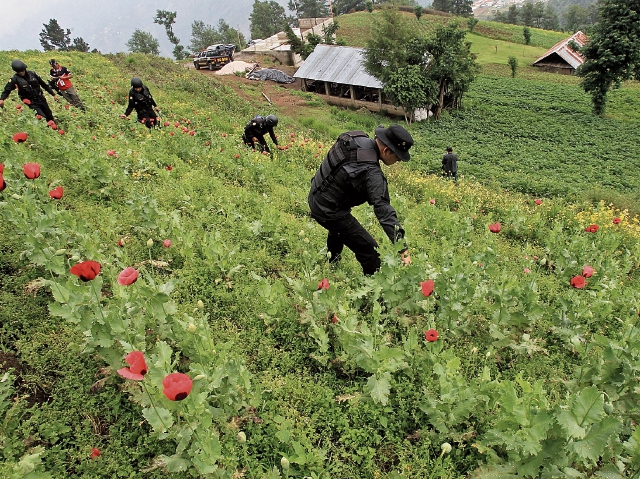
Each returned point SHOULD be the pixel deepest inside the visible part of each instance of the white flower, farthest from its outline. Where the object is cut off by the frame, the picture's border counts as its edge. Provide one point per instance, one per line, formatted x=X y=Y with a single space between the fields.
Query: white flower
x=242 y=437
x=200 y=304
x=284 y=462
x=149 y=242
x=446 y=448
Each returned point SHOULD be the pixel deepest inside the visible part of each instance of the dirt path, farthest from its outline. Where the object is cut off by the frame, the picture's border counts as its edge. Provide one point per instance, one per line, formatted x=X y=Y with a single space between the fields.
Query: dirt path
x=289 y=105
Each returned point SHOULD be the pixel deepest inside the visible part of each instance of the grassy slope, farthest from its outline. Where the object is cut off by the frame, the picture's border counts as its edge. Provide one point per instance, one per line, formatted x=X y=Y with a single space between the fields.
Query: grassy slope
x=258 y=207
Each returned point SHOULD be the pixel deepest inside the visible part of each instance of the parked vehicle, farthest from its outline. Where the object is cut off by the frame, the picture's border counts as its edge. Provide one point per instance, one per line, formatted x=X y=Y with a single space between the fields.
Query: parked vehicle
x=214 y=57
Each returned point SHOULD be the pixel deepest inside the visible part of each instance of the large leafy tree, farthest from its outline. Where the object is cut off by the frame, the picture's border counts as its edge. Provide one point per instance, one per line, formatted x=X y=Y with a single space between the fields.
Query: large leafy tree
x=268 y=18
x=419 y=71
x=79 y=45
x=54 y=37
x=309 y=8
x=612 y=54
x=167 y=19
x=340 y=7
x=204 y=35
x=143 y=42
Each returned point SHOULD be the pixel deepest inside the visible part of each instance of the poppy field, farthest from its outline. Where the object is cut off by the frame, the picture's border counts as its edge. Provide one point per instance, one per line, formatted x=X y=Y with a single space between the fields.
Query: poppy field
x=167 y=308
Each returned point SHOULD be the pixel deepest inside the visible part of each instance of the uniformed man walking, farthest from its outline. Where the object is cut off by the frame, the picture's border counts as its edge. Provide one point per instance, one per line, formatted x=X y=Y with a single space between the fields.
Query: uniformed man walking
x=351 y=175
x=141 y=100
x=29 y=86
x=256 y=129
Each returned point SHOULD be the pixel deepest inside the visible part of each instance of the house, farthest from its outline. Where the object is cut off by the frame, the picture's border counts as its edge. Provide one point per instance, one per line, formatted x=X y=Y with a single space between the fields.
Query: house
x=337 y=74
x=277 y=46
x=561 y=58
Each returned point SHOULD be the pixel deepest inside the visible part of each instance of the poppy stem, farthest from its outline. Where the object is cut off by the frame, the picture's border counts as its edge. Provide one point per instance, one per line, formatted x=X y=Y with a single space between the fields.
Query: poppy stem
x=154 y=406
x=99 y=303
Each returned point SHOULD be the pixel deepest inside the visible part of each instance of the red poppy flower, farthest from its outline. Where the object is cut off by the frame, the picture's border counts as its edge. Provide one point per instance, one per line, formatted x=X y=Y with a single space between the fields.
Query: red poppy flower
x=111 y=153
x=95 y=452
x=3 y=184
x=137 y=366
x=39 y=117
x=324 y=284
x=61 y=132
x=1 y=168
x=335 y=319
x=592 y=228
x=86 y=270
x=31 y=170
x=26 y=101
x=526 y=271
x=427 y=287
x=20 y=137
x=588 y=271
x=616 y=221
x=494 y=227
x=167 y=243
x=177 y=386
x=537 y=201
x=431 y=335
x=578 y=282
x=169 y=168
x=127 y=276
x=56 y=193
x=432 y=201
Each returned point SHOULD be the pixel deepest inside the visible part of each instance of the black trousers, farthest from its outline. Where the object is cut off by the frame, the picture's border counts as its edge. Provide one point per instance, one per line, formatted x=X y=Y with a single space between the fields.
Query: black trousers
x=249 y=142
x=148 y=118
x=349 y=232
x=41 y=107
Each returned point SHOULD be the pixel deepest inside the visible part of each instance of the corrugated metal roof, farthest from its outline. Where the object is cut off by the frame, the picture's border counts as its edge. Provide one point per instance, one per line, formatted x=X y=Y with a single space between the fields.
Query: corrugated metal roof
x=337 y=64
x=565 y=52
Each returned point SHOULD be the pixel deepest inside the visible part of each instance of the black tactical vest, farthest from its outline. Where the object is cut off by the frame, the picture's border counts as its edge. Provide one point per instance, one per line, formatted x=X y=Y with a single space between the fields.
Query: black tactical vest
x=28 y=86
x=350 y=146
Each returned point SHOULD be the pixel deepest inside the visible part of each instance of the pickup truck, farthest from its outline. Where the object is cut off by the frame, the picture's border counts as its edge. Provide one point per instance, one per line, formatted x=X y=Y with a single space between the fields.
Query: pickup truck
x=214 y=57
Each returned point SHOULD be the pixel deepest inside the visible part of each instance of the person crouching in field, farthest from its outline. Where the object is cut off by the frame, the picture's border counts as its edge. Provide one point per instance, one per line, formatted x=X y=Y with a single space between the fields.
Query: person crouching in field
x=140 y=99
x=351 y=175
x=62 y=78
x=256 y=129
x=29 y=85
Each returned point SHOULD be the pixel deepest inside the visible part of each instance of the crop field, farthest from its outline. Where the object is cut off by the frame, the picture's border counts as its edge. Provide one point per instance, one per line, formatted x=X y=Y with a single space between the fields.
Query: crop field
x=167 y=308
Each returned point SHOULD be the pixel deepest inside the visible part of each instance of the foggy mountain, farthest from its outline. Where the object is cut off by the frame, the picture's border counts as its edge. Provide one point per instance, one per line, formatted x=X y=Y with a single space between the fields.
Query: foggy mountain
x=108 y=25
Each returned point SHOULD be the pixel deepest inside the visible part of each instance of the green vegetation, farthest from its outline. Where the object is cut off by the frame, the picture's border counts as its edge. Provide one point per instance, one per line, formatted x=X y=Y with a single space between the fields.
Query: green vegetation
x=529 y=375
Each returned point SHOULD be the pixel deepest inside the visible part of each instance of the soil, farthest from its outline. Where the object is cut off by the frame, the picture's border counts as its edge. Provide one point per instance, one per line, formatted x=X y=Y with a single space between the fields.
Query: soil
x=288 y=105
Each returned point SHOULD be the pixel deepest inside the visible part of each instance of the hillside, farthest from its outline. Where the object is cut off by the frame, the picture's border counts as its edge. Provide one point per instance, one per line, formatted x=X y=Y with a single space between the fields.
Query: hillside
x=534 y=367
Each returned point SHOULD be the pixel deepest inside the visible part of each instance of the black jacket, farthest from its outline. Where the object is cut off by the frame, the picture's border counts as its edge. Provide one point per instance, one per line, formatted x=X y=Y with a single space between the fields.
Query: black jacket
x=257 y=128
x=28 y=87
x=450 y=163
x=354 y=184
x=141 y=101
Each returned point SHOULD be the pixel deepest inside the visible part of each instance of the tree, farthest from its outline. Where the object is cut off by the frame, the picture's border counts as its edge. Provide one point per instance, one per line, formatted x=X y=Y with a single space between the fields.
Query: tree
x=231 y=35
x=268 y=18
x=143 y=42
x=471 y=23
x=417 y=11
x=442 y=5
x=512 y=15
x=462 y=8
x=166 y=18
x=527 y=14
x=340 y=7
x=513 y=63
x=576 y=18
x=550 y=20
x=526 y=33
x=440 y=66
x=202 y=36
x=54 y=37
x=309 y=8
x=612 y=54
x=79 y=45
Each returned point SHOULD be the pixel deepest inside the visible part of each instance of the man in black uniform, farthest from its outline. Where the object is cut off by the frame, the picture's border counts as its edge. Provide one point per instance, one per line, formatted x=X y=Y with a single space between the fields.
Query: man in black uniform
x=255 y=130
x=450 y=164
x=351 y=175
x=28 y=84
x=141 y=100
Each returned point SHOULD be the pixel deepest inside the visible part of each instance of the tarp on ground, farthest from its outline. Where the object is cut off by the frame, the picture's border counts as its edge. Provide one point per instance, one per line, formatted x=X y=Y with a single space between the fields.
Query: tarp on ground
x=271 y=74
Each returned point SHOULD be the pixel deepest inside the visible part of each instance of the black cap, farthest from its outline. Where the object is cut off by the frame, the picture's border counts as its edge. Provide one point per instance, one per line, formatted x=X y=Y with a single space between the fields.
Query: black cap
x=396 y=138
x=52 y=62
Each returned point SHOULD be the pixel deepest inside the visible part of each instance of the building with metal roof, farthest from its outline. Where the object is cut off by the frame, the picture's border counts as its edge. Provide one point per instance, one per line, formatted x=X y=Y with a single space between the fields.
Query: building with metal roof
x=337 y=74
x=561 y=58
